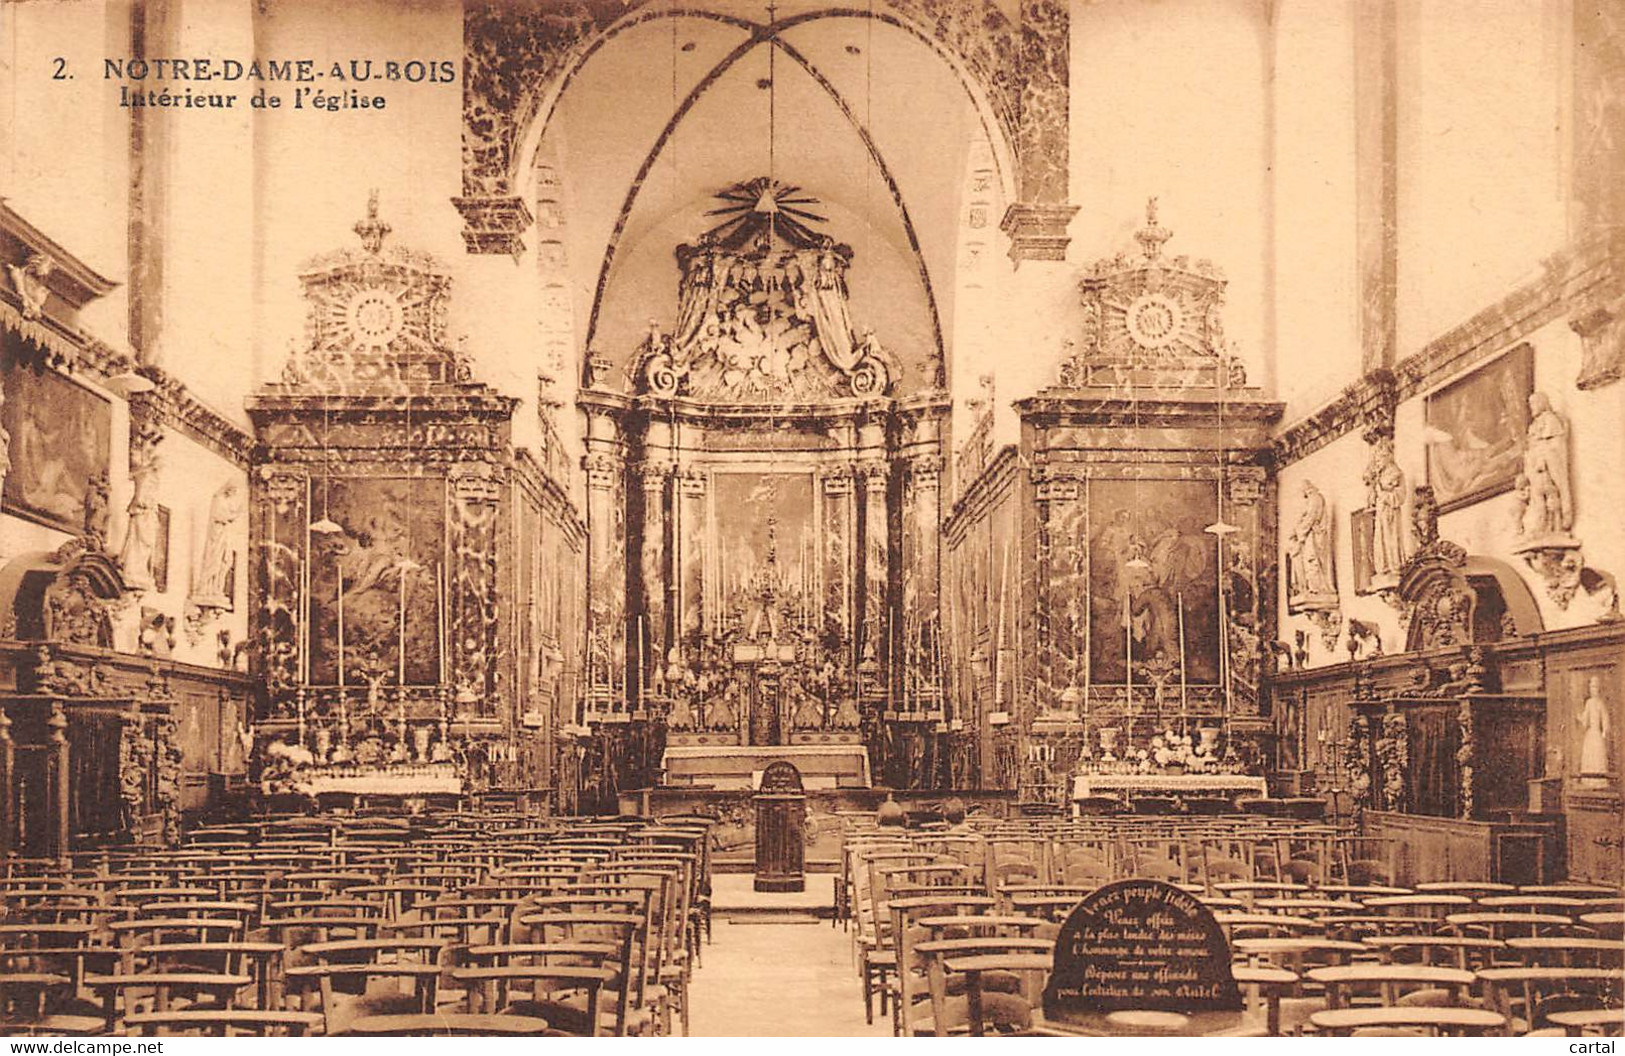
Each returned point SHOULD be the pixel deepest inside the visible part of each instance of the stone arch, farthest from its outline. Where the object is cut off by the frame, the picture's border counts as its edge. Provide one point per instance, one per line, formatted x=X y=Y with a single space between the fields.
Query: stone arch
x=518 y=60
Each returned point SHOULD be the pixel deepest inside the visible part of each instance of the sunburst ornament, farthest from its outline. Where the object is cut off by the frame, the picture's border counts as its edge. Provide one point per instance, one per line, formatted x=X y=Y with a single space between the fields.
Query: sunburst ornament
x=376 y=300
x=373 y=317
x=764 y=206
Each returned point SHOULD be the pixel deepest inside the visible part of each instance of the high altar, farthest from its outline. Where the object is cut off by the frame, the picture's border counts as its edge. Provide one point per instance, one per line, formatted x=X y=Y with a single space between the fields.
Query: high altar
x=763 y=501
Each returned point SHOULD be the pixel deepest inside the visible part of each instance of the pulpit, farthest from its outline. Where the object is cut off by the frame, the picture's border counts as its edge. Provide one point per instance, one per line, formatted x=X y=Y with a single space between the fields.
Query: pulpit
x=781 y=822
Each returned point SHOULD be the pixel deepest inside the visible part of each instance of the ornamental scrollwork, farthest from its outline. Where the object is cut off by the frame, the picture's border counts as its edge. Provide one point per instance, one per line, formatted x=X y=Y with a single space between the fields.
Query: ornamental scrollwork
x=1465 y=755
x=1359 y=765
x=1393 y=756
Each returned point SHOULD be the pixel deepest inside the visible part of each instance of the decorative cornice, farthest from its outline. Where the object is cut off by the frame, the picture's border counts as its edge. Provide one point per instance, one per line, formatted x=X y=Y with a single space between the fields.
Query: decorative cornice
x=529 y=475
x=994 y=480
x=1037 y=231
x=1569 y=277
x=1112 y=408
x=69 y=278
x=185 y=413
x=495 y=224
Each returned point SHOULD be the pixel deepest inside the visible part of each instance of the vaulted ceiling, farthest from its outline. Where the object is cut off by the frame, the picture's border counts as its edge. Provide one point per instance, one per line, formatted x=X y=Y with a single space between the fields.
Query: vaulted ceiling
x=859 y=113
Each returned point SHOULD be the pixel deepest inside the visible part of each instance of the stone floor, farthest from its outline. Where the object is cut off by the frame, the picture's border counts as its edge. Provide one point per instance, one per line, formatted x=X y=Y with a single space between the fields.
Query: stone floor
x=765 y=977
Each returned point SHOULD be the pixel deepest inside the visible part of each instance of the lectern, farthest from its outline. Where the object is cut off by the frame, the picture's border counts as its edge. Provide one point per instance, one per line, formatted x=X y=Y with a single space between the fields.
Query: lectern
x=781 y=822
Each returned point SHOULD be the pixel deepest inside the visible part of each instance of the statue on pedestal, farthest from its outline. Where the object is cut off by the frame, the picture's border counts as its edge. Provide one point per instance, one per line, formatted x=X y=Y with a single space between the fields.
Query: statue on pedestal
x=1310 y=581
x=1385 y=494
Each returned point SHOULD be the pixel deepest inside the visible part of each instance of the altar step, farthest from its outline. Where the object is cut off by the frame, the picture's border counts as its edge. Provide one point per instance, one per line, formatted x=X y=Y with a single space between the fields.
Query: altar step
x=734 y=898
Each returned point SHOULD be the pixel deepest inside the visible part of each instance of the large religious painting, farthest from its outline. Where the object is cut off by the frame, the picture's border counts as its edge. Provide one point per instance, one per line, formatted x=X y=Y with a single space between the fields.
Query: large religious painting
x=1152 y=566
x=388 y=552
x=60 y=434
x=1475 y=430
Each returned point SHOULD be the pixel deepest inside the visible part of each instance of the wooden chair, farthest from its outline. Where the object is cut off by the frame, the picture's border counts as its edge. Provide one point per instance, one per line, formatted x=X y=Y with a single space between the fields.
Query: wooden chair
x=1408 y=1022
x=1526 y=996
x=223 y=1023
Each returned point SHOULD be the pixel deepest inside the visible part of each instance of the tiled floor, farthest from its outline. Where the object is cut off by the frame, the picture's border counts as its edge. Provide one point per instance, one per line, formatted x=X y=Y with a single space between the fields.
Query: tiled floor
x=780 y=980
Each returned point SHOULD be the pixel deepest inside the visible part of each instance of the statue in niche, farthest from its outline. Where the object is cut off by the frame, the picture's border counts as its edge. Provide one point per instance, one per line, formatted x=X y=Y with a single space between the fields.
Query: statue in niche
x=1594 y=735
x=846 y=713
x=1310 y=582
x=1385 y=494
x=213 y=585
x=1545 y=483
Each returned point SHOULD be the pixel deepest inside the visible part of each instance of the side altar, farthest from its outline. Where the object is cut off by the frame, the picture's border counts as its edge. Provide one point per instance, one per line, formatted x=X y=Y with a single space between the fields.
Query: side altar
x=387 y=508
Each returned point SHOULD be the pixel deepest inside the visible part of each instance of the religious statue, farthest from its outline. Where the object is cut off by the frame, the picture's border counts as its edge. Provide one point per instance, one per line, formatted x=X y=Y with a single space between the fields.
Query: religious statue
x=1385 y=494
x=809 y=710
x=681 y=716
x=213 y=583
x=1550 y=505
x=1310 y=581
x=846 y=713
x=724 y=714
x=29 y=280
x=1594 y=735
x=96 y=511
x=141 y=534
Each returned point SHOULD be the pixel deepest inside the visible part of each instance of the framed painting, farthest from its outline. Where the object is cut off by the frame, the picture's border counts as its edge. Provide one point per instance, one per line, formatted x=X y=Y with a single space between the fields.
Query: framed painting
x=60 y=439
x=384 y=562
x=1475 y=429
x=1153 y=578
x=1362 y=531
x=160 y=552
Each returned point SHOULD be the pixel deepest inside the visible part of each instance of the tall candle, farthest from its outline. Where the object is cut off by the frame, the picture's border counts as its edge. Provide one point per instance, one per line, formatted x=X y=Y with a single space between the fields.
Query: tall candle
x=1128 y=650
x=338 y=569
x=1184 y=699
x=400 y=673
x=440 y=616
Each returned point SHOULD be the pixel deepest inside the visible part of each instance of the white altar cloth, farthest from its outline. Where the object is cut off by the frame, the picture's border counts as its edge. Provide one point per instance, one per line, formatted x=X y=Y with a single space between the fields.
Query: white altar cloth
x=1086 y=785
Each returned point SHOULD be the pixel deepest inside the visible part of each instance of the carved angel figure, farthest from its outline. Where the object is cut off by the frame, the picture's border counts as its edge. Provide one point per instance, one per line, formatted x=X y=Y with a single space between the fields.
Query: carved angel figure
x=29 y=282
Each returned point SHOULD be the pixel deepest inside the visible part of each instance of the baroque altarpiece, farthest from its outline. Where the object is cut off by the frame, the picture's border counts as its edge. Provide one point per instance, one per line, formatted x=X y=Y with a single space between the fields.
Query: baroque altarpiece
x=389 y=508
x=1111 y=575
x=763 y=503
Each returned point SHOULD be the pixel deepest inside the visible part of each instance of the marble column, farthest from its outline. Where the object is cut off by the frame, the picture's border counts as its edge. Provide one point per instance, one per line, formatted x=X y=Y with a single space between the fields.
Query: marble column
x=836 y=536
x=921 y=564
x=279 y=516
x=605 y=468
x=874 y=627
x=690 y=540
x=474 y=489
x=649 y=647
